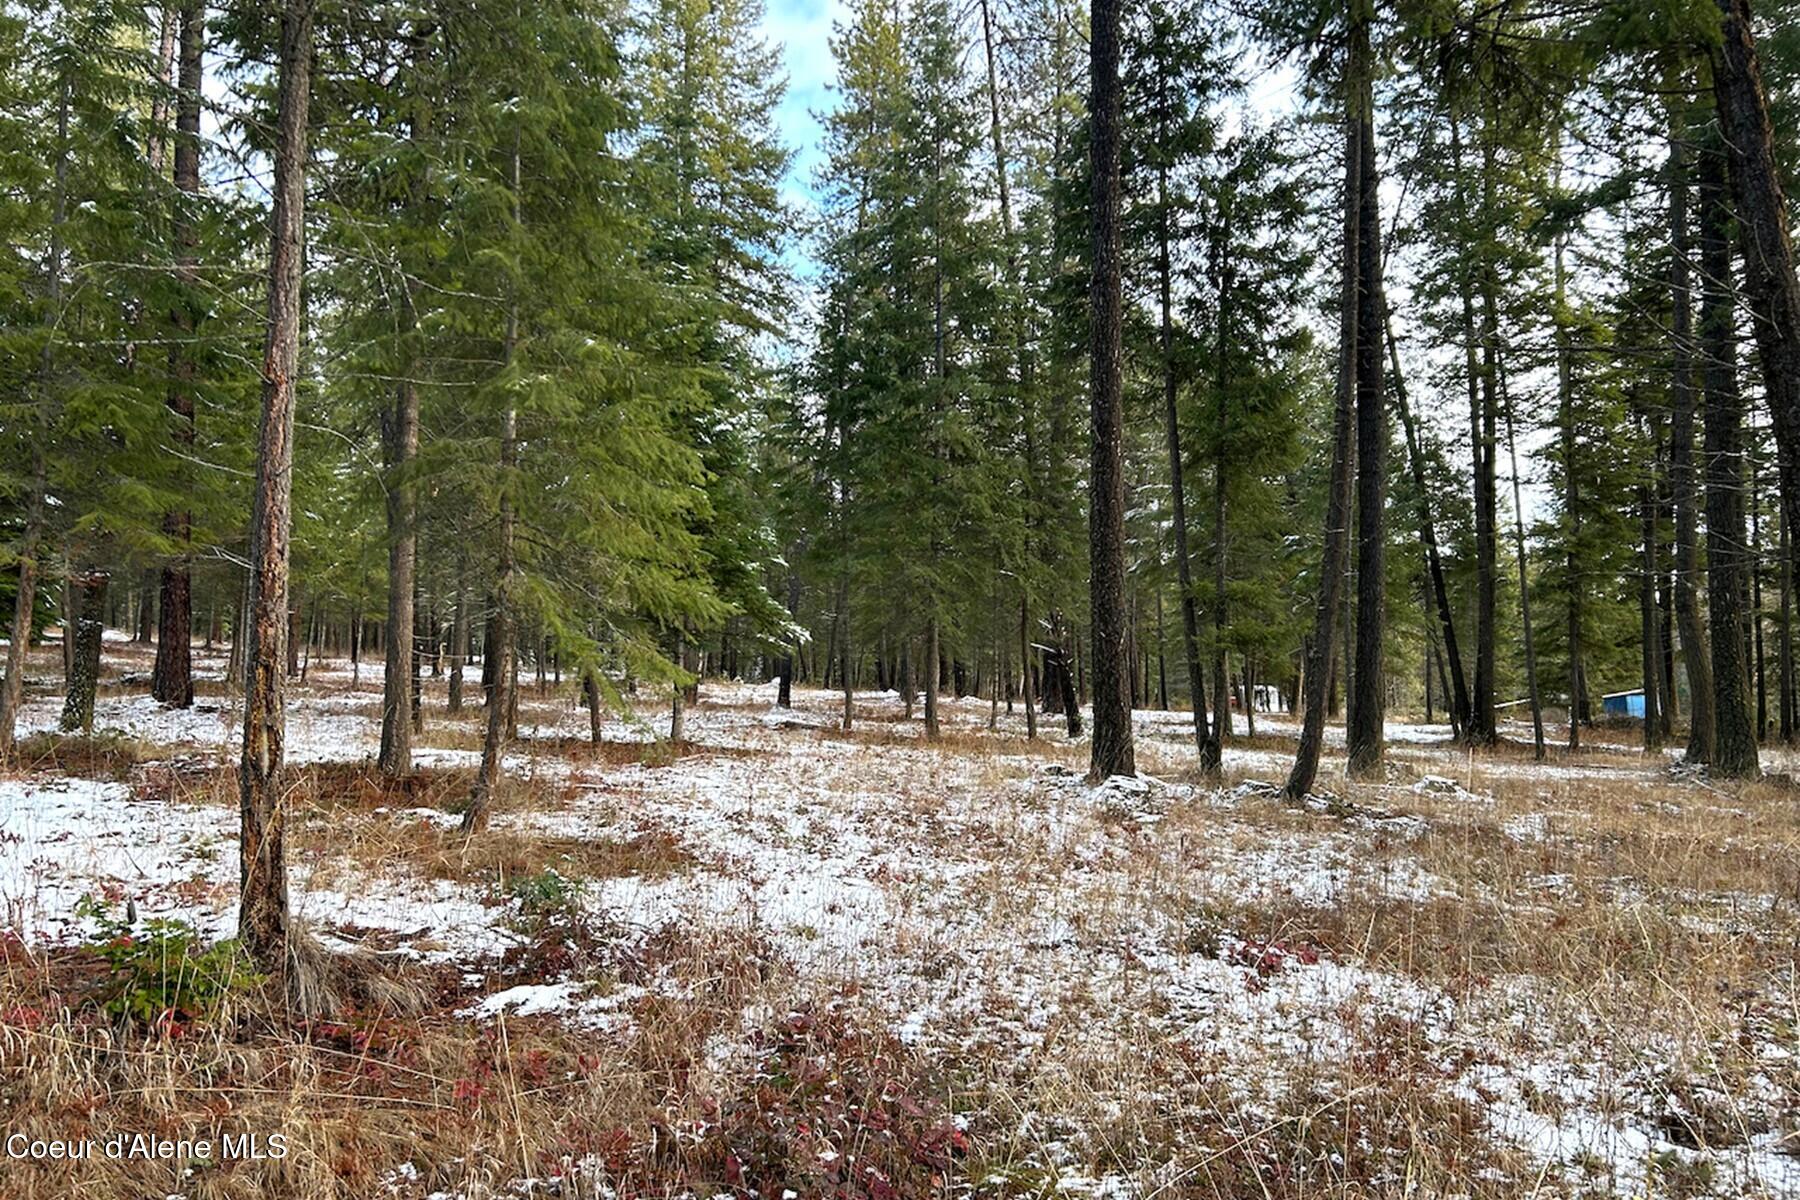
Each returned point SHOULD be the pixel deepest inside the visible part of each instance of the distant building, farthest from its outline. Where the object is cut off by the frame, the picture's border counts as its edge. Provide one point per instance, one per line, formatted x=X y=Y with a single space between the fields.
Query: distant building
x=1624 y=704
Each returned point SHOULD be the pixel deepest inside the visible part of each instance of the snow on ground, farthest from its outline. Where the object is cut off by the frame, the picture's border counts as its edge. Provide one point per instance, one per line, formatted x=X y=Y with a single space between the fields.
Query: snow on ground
x=986 y=903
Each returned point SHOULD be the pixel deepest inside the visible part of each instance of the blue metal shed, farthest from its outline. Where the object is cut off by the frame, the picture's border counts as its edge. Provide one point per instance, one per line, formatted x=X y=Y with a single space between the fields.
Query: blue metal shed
x=1624 y=704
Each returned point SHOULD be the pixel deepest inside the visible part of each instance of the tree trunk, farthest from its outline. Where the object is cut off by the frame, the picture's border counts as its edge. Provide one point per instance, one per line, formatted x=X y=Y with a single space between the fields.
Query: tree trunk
x=1364 y=736
x=1571 y=515
x=1530 y=635
x=1318 y=660
x=678 y=707
x=415 y=692
x=1681 y=462
x=89 y=621
x=1756 y=609
x=1190 y=620
x=1481 y=726
x=1025 y=664
x=501 y=649
x=1651 y=629
x=1727 y=563
x=931 y=685
x=172 y=680
x=1770 y=285
x=1112 y=752
x=12 y=693
x=31 y=545
x=459 y=647
x=785 y=697
x=1220 y=731
x=1784 y=644
x=293 y=640
x=400 y=449
x=263 y=926
x=143 y=609
x=1457 y=698
x=844 y=651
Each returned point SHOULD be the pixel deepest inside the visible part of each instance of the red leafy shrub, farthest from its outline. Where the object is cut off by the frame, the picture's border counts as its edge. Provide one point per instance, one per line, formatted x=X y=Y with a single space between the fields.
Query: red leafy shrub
x=1263 y=958
x=833 y=1111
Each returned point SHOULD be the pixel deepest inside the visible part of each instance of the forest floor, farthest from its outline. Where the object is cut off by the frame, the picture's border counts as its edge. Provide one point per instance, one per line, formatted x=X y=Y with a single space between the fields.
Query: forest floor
x=788 y=961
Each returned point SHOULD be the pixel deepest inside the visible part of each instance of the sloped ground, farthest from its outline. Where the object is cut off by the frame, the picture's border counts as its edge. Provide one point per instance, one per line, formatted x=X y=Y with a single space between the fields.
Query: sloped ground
x=791 y=960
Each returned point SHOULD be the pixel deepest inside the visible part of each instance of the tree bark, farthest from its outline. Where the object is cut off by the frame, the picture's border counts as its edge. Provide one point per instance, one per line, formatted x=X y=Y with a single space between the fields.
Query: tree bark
x=32 y=543
x=1530 y=635
x=12 y=693
x=844 y=651
x=459 y=647
x=1457 y=697
x=931 y=681
x=89 y=621
x=1220 y=732
x=678 y=707
x=263 y=924
x=1112 y=751
x=1481 y=728
x=1025 y=665
x=1364 y=737
x=785 y=696
x=1727 y=559
x=1318 y=660
x=1651 y=629
x=1571 y=515
x=1784 y=644
x=590 y=690
x=1770 y=285
x=400 y=449
x=1681 y=462
x=172 y=679
x=501 y=650
x=1190 y=619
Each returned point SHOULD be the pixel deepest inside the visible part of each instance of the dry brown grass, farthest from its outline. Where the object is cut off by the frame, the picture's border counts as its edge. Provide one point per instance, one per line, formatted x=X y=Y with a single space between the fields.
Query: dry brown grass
x=1597 y=910
x=477 y=1105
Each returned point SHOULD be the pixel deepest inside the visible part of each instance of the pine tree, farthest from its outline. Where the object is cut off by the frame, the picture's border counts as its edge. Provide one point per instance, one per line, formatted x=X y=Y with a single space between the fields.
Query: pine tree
x=172 y=680
x=1112 y=741
x=263 y=921
x=1727 y=558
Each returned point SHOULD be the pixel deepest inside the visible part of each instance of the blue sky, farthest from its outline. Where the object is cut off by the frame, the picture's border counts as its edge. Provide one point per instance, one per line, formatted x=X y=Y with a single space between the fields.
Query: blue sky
x=802 y=29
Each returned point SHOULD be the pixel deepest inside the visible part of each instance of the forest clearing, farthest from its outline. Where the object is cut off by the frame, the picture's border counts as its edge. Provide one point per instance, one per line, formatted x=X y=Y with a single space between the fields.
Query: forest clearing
x=899 y=599
x=780 y=955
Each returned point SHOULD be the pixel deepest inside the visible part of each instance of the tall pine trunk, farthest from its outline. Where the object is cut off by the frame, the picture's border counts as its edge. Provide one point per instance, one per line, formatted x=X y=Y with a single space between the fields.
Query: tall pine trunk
x=1184 y=572
x=1213 y=754
x=1481 y=727
x=1025 y=670
x=32 y=543
x=1770 y=285
x=1681 y=461
x=24 y=607
x=1727 y=559
x=500 y=653
x=1112 y=752
x=88 y=622
x=263 y=925
x=1784 y=640
x=1650 y=629
x=172 y=680
x=931 y=680
x=1368 y=697
x=1529 y=633
x=1571 y=514
x=459 y=645
x=400 y=702
x=1317 y=659
x=1457 y=695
